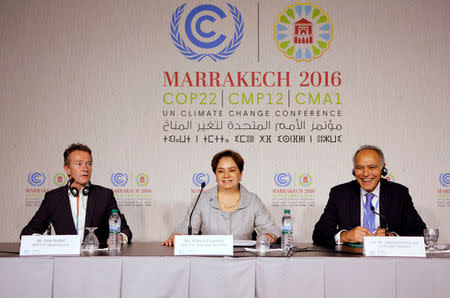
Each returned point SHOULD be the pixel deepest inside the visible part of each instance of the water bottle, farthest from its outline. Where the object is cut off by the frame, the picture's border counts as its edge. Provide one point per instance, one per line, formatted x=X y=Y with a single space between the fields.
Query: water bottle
x=114 y=230
x=287 y=238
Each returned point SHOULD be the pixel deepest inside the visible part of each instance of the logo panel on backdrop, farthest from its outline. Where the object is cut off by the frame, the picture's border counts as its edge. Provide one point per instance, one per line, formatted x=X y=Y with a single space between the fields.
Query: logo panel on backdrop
x=443 y=193
x=293 y=190
x=131 y=187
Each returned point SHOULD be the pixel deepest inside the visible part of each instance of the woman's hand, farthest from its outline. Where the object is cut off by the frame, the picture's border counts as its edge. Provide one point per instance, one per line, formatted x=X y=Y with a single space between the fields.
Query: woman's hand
x=171 y=240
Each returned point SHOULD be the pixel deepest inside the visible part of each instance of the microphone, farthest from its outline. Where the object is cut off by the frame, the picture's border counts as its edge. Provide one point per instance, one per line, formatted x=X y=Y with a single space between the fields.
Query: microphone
x=383 y=218
x=190 y=217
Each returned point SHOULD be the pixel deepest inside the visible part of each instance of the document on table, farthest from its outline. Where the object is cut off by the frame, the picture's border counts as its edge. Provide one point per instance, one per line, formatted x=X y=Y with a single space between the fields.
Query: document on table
x=238 y=242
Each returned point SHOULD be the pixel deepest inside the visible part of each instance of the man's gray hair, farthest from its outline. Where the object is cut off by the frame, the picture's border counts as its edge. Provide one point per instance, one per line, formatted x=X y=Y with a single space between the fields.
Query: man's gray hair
x=370 y=147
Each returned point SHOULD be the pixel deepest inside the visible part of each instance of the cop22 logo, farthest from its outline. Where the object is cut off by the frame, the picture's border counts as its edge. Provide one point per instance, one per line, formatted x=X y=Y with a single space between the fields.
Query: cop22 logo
x=303 y=32
x=60 y=179
x=305 y=179
x=142 y=179
x=199 y=18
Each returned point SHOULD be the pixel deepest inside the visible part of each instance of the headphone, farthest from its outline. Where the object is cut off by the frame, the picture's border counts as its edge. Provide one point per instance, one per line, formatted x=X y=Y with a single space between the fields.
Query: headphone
x=74 y=190
x=384 y=172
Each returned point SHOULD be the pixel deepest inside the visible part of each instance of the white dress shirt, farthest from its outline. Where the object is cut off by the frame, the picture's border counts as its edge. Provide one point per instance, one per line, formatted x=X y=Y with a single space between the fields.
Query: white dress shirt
x=79 y=216
x=82 y=215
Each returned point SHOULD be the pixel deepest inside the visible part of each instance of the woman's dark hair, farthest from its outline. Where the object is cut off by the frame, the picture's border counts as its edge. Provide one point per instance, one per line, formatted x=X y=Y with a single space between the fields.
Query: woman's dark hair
x=227 y=153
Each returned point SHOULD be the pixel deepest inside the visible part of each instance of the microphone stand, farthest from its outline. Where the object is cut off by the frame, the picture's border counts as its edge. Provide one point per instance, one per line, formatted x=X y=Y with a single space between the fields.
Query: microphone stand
x=383 y=218
x=190 y=217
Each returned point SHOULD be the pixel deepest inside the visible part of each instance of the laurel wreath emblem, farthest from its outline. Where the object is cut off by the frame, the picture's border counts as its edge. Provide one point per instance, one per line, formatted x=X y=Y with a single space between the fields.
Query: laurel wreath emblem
x=191 y=54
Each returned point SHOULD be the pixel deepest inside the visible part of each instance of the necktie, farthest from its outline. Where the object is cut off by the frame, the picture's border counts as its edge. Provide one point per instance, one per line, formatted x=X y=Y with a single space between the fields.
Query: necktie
x=369 y=216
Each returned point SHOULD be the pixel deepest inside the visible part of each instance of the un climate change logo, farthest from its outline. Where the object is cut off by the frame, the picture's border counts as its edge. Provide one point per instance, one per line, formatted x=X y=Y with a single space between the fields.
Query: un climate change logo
x=202 y=44
x=119 y=178
x=282 y=179
x=199 y=178
x=303 y=32
x=444 y=179
x=36 y=178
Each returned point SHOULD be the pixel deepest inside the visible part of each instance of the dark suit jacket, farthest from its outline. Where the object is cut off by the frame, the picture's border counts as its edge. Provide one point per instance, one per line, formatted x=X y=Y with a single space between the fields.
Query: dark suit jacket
x=343 y=211
x=55 y=209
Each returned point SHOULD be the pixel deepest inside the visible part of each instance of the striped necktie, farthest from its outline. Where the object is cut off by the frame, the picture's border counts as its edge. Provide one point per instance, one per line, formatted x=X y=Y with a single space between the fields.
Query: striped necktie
x=369 y=215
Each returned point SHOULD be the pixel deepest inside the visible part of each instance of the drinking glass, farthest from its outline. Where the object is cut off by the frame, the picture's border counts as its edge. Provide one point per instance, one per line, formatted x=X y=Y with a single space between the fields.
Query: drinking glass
x=431 y=236
x=262 y=243
x=91 y=241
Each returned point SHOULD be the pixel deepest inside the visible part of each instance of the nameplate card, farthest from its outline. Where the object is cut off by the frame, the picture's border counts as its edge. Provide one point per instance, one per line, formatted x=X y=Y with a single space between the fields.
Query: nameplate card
x=394 y=246
x=204 y=245
x=50 y=245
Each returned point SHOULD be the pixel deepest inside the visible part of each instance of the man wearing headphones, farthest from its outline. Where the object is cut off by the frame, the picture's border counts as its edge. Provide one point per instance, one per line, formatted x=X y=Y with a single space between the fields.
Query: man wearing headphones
x=79 y=204
x=367 y=206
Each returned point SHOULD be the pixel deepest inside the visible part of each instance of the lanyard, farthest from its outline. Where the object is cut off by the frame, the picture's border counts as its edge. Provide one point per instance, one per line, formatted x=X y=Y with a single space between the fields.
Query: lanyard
x=78 y=210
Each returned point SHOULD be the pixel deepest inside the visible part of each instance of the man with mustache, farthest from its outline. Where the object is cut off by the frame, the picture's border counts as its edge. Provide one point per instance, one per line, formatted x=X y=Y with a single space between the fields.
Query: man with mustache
x=350 y=213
